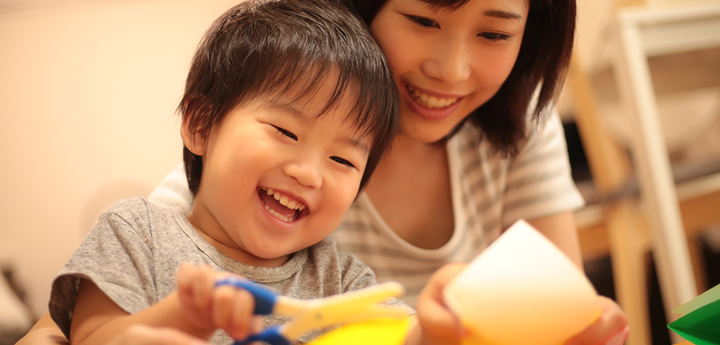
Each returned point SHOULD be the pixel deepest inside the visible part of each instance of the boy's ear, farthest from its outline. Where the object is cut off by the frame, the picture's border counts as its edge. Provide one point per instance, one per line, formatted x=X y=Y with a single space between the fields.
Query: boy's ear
x=194 y=140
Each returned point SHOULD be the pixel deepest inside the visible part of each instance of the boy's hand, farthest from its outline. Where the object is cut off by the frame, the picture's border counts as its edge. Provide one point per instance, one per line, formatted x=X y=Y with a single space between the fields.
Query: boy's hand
x=611 y=328
x=224 y=307
x=438 y=324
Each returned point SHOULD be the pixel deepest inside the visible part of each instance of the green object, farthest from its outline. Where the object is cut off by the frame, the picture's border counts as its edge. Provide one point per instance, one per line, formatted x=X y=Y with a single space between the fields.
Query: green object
x=701 y=325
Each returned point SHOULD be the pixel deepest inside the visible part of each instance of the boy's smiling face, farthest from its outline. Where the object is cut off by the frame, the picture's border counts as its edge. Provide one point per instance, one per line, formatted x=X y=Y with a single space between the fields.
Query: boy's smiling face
x=276 y=177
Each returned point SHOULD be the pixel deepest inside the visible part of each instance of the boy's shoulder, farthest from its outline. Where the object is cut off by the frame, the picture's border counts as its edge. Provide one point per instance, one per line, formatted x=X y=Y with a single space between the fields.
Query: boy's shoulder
x=346 y=267
x=137 y=211
x=135 y=205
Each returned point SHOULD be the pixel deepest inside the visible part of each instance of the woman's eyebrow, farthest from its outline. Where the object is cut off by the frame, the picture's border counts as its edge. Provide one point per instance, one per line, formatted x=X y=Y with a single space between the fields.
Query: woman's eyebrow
x=502 y=14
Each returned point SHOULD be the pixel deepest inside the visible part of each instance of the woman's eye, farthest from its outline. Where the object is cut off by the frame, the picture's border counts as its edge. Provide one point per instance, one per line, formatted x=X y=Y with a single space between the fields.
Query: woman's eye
x=286 y=133
x=424 y=22
x=342 y=161
x=494 y=36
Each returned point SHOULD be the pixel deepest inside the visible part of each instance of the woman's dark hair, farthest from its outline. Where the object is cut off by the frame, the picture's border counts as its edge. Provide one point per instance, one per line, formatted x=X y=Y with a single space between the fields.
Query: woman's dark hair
x=543 y=60
x=274 y=48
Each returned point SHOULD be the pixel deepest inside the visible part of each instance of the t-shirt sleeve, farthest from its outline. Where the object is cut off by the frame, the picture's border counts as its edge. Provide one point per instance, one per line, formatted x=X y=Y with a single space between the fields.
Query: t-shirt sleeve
x=173 y=191
x=539 y=182
x=115 y=256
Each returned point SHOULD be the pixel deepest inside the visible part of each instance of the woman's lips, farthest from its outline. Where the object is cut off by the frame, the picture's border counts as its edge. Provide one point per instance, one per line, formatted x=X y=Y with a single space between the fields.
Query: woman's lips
x=430 y=105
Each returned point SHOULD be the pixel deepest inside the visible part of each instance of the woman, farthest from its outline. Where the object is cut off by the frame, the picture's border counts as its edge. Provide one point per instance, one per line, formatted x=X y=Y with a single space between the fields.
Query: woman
x=479 y=145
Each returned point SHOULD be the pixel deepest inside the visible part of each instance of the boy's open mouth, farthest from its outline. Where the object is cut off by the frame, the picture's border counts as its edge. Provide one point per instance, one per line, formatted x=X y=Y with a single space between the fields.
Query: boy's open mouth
x=282 y=206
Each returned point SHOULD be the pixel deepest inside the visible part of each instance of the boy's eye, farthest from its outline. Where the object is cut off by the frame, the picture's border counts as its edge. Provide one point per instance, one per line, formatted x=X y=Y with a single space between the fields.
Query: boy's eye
x=494 y=36
x=286 y=133
x=342 y=161
x=424 y=22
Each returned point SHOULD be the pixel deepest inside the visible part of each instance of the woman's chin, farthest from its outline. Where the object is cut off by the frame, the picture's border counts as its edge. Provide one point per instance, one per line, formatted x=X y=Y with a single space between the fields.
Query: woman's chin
x=424 y=133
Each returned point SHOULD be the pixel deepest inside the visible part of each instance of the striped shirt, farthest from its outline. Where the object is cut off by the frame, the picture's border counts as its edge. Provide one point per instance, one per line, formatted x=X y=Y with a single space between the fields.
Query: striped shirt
x=489 y=193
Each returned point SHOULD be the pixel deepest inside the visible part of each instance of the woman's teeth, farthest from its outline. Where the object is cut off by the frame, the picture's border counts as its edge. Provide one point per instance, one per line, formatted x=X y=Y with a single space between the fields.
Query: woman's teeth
x=431 y=102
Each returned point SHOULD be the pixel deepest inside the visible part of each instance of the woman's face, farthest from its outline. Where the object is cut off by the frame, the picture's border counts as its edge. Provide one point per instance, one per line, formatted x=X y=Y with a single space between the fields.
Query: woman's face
x=447 y=63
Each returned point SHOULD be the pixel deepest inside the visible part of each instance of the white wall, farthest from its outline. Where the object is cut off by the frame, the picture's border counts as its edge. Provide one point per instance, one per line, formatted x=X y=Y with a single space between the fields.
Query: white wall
x=88 y=91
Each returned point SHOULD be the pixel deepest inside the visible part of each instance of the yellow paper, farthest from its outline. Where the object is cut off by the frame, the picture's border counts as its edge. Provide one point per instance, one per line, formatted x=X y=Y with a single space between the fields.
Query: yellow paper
x=376 y=332
x=522 y=290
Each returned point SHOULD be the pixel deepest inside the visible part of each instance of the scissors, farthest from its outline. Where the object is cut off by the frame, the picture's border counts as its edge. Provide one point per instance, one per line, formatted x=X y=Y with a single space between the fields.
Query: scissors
x=353 y=306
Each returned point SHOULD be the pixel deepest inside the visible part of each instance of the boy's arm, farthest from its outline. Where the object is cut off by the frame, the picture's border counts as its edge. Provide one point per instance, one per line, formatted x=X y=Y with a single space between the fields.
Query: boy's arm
x=196 y=308
x=98 y=320
x=44 y=332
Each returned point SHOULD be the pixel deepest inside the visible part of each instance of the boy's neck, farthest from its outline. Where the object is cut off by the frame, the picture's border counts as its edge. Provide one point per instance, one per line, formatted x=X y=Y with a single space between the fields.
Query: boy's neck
x=214 y=235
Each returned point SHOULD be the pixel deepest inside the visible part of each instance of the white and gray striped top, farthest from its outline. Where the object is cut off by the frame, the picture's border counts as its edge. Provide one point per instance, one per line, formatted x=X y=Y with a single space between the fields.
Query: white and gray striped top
x=489 y=193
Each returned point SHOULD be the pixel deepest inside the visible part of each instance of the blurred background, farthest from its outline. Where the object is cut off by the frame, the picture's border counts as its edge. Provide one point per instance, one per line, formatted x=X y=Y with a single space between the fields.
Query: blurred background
x=88 y=91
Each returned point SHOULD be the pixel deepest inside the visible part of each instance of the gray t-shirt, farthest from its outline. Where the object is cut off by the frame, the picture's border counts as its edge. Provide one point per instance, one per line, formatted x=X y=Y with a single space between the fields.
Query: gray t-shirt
x=133 y=252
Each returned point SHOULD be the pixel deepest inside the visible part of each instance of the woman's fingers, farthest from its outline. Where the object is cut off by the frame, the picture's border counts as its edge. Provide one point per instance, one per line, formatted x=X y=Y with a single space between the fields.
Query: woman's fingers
x=609 y=329
x=434 y=316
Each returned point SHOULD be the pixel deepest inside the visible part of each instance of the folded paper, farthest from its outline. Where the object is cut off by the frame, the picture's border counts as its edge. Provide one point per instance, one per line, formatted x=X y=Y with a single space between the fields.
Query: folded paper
x=522 y=290
x=375 y=332
x=701 y=321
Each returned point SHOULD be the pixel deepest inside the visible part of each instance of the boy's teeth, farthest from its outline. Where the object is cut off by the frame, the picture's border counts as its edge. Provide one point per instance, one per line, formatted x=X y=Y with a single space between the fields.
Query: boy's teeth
x=278 y=216
x=284 y=200
x=430 y=101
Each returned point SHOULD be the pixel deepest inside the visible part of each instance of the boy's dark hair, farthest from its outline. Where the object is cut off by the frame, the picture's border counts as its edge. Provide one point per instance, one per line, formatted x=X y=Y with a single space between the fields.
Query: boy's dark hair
x=543 y=60
x=270 y=48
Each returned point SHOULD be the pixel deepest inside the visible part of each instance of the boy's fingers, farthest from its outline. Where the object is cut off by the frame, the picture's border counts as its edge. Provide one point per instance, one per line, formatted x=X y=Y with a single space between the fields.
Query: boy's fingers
x=184 y=277
x=243 y=313
x=203 y=286
x=233 y=311
x=222 y=306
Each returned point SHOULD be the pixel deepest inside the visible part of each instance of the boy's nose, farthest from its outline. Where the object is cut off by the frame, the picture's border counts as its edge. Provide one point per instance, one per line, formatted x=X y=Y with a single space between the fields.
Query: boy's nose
x=449 y=62
x=305 y=171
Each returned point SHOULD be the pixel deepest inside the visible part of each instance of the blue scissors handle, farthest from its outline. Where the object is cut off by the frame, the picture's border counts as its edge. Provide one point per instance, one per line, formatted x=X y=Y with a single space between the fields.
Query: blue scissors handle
x=272 y=336
x=264 y=299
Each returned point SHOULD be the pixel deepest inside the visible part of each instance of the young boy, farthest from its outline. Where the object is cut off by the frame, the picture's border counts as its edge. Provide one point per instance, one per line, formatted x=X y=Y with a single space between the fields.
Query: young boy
x=288 y=108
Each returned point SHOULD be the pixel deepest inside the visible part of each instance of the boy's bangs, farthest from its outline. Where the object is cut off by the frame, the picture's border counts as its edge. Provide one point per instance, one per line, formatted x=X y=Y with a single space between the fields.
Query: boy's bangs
x=301 y=79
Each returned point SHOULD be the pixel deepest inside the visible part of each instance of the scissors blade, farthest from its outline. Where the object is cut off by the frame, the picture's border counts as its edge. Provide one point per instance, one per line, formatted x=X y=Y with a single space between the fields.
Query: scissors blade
x=336 y=309
x=376 y=311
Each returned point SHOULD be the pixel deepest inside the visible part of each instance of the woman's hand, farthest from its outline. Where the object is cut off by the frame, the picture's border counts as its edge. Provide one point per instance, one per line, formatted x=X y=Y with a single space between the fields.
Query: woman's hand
x=438 y=324
x=207 y=306
x=611 y=328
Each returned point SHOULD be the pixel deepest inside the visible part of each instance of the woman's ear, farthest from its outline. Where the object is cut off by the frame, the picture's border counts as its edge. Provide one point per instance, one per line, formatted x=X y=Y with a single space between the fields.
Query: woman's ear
x=194 y=139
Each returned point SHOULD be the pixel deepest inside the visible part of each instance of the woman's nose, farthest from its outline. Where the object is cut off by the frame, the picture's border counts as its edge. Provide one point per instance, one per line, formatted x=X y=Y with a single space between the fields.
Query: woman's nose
x=306 y=170
x=448 y=62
